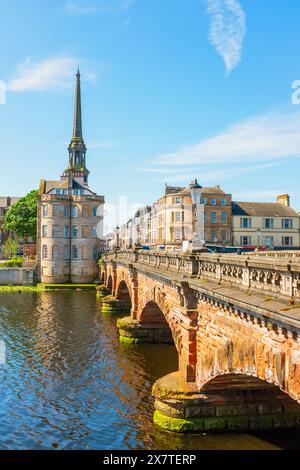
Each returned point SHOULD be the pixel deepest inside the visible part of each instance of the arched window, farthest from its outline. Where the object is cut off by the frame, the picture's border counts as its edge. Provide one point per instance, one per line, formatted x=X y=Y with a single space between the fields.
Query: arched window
x=45 y=252
x=55 y=252
x=74 y=252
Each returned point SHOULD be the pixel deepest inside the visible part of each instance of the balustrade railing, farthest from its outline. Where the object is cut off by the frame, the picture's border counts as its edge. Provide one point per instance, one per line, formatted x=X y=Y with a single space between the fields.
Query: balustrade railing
x=271 y=274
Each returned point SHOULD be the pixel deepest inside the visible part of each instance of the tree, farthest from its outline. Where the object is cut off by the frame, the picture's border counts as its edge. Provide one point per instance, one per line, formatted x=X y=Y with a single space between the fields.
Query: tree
x=10 y=248
x=21 y=217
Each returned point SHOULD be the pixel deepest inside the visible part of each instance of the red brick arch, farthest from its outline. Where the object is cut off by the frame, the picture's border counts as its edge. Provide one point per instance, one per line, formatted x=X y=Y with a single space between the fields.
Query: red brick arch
x=123 y=292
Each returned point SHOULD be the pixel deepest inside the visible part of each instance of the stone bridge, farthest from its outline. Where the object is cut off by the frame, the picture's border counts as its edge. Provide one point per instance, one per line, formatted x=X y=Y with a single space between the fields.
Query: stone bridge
x=235 y=322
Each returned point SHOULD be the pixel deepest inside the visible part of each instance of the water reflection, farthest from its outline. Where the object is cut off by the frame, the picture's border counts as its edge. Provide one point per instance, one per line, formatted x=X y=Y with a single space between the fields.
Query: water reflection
x=69 y=384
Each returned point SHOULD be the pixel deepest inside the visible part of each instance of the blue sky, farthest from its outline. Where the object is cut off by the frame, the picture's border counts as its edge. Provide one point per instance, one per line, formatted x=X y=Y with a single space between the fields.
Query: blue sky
x=172 y=89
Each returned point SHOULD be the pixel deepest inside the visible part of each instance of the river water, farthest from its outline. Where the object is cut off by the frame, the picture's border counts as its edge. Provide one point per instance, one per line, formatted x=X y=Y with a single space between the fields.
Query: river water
x=68 y=384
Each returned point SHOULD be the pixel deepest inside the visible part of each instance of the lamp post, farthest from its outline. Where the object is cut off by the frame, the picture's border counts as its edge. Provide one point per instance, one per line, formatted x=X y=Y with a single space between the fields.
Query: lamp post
x=258 y=238
x=117 y=230
x=195 y=189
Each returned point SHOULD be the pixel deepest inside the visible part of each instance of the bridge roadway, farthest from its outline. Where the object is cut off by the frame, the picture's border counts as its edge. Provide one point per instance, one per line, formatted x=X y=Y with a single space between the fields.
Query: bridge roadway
x=235 y=322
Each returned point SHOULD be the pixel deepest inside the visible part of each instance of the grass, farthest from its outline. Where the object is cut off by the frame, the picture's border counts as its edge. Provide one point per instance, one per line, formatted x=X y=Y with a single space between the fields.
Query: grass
x=45 y=287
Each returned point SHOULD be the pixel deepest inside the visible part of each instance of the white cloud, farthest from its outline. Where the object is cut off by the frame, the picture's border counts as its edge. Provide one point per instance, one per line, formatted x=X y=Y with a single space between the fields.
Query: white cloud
x=52 y=73
x=96 y=7
x=227 y=30
x=265 y=137
x=215 y=176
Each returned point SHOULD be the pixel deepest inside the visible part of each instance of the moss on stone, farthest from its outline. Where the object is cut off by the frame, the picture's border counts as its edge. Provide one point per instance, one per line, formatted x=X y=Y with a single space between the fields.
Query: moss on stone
x=128 y=340
x=178 y=424
x=126 y=322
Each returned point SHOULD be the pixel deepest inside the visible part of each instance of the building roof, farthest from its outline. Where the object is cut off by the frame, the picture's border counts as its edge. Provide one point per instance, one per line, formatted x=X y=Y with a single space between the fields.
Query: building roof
x=212 y=190
x=263 y=209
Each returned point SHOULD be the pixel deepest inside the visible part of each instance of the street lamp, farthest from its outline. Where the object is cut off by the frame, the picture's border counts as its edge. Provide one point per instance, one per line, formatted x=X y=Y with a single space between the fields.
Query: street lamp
x=195 y=190
x=117 y=230
x=258 y=238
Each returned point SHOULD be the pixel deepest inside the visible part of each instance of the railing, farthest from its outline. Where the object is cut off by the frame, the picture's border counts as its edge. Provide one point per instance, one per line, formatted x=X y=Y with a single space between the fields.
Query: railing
x=275 y=274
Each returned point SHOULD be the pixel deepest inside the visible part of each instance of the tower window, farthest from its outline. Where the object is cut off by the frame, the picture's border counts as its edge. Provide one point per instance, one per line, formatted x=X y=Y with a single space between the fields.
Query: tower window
x=74 y=252
x=45 y=210
x=45 y=252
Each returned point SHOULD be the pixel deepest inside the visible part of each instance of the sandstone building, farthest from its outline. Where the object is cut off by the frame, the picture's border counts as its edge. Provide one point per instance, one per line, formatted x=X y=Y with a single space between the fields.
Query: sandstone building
x=70 y=217
x=266 y=224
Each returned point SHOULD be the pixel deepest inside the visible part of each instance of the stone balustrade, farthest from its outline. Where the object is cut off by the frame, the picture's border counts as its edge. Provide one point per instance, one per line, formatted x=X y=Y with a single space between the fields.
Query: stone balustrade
x=277 y=274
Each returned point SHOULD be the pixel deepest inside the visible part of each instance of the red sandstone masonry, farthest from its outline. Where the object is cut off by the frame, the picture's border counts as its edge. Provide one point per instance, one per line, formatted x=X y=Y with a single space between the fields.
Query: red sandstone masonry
x=212 y=339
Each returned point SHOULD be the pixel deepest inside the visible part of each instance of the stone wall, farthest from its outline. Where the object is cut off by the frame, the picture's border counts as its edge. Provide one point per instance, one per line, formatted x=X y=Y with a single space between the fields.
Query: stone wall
x=18 y=276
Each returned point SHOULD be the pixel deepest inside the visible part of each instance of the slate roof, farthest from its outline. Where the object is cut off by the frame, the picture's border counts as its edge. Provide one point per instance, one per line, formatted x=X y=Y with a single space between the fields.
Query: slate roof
x=263 y=209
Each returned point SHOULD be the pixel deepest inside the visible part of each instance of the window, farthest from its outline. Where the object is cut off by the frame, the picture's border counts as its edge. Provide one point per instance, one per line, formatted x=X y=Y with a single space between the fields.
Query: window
x=95 y=211
x=55 y=231
x=268 y=241
x=269 y=223
x=66 y=211
x=45 y=230
x=224 y=235
x=66 y=231
x=245 y=222
x=177 y=233
x=214 y=237
x=223 y=201
x=213 y=216
x=213 y=201
x=287 y=241
x=66 y=252
x=45 y=252
x=74 y=211
x=74 y=252
x=95 y=252
x=224 y=217
x=95 y=231
x=246 y=241
x=178 y=200
x=45 y=210
x=203 y=200
x=55 y=252
x=177 y=216
x=287 y=223
x=74 y=231
x=56 y=210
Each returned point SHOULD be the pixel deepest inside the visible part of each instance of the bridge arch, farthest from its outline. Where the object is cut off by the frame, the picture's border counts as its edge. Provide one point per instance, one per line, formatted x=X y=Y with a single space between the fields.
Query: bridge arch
x=109 y=282
x=123 y=293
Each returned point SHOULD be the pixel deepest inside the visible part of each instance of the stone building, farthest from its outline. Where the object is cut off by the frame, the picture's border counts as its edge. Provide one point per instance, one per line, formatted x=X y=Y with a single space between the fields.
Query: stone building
x=70 y=217
x=212 y=208
x=174 y=217
x=266 y=224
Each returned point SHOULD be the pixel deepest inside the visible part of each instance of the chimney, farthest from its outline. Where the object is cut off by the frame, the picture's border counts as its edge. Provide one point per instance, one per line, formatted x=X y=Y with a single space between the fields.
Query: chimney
x=284 y=200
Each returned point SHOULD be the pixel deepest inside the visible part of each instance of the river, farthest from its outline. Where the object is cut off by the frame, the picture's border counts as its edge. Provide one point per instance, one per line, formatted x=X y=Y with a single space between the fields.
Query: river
x=68 y=384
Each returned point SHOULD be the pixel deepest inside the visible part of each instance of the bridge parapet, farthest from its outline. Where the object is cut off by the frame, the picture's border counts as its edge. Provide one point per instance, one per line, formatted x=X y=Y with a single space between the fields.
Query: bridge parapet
x=275 y=274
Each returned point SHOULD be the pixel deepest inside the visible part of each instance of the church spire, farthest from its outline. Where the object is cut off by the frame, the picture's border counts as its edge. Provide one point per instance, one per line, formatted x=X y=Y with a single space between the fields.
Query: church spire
x=77 y=148
x=77 y=126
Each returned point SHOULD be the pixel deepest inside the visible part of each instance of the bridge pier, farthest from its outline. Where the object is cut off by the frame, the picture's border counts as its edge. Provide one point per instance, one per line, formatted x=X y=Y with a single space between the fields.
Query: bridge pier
x=228 y=403
x=131 y=331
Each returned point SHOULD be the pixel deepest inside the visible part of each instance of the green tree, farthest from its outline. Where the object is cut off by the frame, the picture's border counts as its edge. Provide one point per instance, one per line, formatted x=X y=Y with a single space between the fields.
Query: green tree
x=10 y=248
x=21 y=217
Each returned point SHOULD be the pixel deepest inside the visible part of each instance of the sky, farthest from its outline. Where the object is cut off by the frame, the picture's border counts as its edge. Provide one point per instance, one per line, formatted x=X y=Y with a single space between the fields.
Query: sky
x=172 y=90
